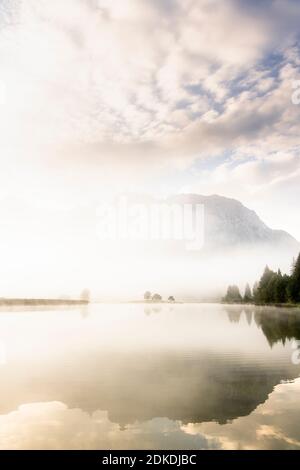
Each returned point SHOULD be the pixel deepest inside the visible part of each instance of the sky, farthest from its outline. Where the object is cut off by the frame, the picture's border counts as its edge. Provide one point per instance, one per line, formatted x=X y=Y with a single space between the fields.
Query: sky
x=159 y=96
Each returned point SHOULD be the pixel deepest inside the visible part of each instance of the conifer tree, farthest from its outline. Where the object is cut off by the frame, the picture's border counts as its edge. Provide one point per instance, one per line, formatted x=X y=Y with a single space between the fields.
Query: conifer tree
x=266 y=288
x=273 y=288
x=255 y=292
x=293 y=289
x=248 y=298
x=233 y=295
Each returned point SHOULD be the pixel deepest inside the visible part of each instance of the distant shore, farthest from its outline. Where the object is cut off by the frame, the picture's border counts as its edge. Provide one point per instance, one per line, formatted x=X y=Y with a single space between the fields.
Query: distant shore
x=275 y=305
x=41 y=302
x=151 y=302
x=5 y=302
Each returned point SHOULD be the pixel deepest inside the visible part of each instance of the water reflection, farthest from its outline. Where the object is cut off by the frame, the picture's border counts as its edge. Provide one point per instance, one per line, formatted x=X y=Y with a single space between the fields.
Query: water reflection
x=150 y=310
x=186 y=378
x=278 y=325
x=54 y=425
x=234 y=313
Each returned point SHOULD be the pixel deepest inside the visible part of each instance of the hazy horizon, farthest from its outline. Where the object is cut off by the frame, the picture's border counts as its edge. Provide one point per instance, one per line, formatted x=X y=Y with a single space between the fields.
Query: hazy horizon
x=102 y=97
x=149 y=179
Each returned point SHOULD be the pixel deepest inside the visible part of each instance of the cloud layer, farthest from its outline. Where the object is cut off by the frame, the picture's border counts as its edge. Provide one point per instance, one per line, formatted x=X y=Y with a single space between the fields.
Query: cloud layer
x=127 y=79
x=114 y=90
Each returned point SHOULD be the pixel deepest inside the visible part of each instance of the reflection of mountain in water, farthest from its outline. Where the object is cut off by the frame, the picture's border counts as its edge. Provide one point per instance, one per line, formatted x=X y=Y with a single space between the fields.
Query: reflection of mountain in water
x=190 y=365
x=196 y=388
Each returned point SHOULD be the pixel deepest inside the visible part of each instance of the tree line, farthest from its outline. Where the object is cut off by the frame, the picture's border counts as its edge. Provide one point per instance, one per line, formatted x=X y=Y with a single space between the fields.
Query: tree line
x=149 y=297
x=273 y=288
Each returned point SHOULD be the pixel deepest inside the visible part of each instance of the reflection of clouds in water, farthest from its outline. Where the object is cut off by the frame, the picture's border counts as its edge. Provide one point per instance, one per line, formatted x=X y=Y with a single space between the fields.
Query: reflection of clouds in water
x=54 y=426
x=273 y=425
x=191 y=365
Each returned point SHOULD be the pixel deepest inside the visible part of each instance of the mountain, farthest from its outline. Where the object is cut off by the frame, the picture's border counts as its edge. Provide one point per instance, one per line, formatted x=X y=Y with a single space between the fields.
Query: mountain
x=237 y=245
x=71 y=251
x=228 y=223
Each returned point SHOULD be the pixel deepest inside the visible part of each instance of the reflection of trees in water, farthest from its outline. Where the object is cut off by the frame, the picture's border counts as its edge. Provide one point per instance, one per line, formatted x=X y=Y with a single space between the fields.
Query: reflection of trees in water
x=150 y=310
x=235 y=312
x=279 y=326
x=157 y=309
x=249 y=314
x=84 y=311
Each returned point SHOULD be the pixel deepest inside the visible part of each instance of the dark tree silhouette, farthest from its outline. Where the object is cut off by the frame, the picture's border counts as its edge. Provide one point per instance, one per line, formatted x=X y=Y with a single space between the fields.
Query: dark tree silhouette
x=273 y=288
x=157 y=298
x=248 y=298
x=233 y=295
x=293 y=289
x=85 y=295
x=147 y=296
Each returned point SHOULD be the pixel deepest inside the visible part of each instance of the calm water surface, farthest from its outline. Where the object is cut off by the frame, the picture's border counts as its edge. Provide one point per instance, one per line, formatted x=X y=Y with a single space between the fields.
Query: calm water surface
x=150 y=377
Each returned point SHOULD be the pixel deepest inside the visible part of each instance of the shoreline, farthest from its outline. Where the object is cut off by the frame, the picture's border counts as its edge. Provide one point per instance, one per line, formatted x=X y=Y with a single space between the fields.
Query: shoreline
x=290 y=306
x=18 y=302
x=40 y=302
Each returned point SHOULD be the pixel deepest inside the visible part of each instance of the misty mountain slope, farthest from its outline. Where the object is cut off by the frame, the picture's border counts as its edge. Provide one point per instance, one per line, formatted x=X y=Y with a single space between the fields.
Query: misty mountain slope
x=70 y=251
x=228 y=223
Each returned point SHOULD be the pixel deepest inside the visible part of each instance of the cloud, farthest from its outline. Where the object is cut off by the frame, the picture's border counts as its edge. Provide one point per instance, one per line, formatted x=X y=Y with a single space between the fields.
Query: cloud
x=267 y=182
x=54 y=426
x=131 y=74
x=273 y=425
x=109 y=95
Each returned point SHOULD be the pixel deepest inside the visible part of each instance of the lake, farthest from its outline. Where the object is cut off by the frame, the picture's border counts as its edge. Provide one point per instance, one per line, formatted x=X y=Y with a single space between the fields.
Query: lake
x=135 y=376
